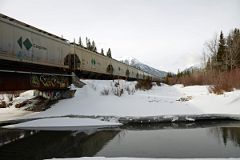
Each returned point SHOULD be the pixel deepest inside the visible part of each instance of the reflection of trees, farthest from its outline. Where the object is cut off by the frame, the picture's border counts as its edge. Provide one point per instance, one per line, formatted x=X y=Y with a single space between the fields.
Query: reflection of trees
x=7 y=136
x=49 y=144
x=226 y=134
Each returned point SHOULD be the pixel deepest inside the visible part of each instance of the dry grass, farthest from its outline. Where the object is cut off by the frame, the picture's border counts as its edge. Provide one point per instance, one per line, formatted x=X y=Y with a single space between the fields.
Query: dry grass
x=144 y=84
x=219 y=82
x=226 y=82
x=105 y=92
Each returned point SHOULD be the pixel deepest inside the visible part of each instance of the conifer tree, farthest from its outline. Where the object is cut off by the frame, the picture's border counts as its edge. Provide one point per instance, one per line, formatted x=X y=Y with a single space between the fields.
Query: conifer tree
x=221 y=49
x=221 y=54
x=80 y=41
x=93 y=47
x=102 y=52
x=88 y=43
x=109 y=54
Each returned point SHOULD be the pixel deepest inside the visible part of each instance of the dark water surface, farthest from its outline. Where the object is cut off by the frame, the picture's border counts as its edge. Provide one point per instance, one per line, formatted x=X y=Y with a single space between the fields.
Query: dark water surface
x=182 y=140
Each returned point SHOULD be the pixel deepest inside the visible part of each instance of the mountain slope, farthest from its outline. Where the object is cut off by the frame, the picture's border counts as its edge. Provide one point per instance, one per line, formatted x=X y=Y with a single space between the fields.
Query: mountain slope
x=137 y=64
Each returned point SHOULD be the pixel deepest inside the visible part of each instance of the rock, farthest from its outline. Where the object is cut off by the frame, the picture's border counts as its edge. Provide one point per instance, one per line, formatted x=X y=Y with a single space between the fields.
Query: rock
x=184 y=99
x=9 y=104
x=3 y=104
x=24 y=103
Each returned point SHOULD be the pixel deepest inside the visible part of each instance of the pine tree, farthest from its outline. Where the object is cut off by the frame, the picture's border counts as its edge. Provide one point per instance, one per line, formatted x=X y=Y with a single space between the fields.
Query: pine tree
x=93 y=47
x=221 y=54
x=236 y=45
x=102 y=52
x=80 y=41
x=88 y=44
x=109 y=54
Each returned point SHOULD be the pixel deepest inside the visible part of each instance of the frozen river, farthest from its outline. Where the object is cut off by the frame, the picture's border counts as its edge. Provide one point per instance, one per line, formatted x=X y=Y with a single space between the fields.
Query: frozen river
x=167 y=140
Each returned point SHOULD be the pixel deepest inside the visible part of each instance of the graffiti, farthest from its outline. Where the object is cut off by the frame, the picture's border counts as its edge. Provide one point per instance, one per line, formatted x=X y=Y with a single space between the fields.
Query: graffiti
x=35 y=81
x=19 y=55
x=49 y=81
x=55 y=94
x=24 y=55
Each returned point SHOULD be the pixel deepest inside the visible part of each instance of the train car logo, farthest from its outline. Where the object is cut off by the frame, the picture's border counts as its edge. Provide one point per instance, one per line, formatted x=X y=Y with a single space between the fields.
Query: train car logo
x=93 y=61
x=27 y=43
x=20 y=42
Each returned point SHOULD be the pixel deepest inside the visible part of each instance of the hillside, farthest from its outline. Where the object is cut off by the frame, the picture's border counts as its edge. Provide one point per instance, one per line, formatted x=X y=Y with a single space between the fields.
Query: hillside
x=136 y=63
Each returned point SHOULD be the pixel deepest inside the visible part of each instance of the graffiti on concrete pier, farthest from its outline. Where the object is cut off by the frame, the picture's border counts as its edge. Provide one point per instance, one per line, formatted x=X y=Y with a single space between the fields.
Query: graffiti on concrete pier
x=49 y=81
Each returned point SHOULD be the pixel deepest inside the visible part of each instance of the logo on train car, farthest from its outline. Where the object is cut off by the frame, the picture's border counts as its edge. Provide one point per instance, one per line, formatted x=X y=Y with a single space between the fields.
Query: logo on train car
x=26 y=43
x=93 y=61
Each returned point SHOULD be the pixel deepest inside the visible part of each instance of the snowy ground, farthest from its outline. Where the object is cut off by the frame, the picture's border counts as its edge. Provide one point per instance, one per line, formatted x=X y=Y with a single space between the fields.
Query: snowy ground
x=160 y=101
x=124 y=158
x=11 y=112
x=64 y=123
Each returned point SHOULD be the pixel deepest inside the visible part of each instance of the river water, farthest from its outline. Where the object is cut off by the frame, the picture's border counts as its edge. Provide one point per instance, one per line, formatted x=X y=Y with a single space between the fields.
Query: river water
x=168 y=140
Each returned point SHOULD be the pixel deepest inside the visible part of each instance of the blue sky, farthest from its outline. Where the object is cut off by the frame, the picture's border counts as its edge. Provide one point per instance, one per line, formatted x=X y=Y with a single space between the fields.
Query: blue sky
x=166 y=34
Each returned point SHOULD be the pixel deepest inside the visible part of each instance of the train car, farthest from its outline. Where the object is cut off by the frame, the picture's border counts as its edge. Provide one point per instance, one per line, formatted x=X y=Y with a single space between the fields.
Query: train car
x=20 y=42
x=89 y=62
x=120 y=69
x=27 y=48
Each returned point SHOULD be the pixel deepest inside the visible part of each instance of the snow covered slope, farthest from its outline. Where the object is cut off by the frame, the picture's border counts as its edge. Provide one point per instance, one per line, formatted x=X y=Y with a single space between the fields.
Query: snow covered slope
x=164 y=102
x=136 y=63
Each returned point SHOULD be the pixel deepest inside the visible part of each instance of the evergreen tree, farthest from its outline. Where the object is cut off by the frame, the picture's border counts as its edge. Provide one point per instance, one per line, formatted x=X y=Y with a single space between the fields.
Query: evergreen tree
x=236 y=46
x=88 y=43
x=93 y=47
x=102 y=52
x=109 y=54
x=80 y=41
x=221 y=54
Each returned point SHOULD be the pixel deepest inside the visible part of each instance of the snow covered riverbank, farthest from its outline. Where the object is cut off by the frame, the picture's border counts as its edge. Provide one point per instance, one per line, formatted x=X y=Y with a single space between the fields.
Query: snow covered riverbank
x=161 y=100
x=124 y=158
x=165 y=101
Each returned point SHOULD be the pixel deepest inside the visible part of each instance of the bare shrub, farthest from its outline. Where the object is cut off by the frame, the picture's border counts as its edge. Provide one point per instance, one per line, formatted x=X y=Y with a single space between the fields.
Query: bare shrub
x=158 y=83
x=105 y=92
x=220 y=81
x=225 y=82
x=144 y=84
x=118 y=91
x=130 y=91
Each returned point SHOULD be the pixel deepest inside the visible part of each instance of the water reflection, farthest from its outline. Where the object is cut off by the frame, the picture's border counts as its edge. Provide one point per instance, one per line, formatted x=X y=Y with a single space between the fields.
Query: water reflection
x=49 y=144
x=168 y=140
x=227 y=135
x=8 y=136
x=179 y=140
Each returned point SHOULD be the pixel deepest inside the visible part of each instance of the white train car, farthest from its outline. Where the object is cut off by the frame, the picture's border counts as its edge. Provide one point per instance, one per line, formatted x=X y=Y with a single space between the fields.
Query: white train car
x=25 y=43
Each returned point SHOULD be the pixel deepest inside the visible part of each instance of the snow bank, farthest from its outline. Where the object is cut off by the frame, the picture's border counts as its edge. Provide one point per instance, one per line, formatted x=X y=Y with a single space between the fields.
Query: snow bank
x=160 y=101
x=164 y=101
x=11 y=112
x=125 y=158
x=64 y=123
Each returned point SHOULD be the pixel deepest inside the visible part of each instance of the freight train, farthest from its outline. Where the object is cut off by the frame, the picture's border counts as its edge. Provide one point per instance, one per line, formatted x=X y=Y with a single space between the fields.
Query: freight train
x=28 y=49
